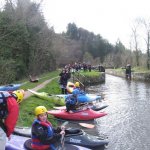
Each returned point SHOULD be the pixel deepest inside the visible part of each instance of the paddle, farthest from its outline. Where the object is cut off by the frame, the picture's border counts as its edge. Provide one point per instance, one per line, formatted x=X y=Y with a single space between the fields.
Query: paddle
x=86 y=125
x=63 y=135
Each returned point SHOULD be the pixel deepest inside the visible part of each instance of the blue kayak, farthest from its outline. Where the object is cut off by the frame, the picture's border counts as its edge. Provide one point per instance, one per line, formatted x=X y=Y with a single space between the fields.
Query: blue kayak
x=10 y=87
x=84 y=98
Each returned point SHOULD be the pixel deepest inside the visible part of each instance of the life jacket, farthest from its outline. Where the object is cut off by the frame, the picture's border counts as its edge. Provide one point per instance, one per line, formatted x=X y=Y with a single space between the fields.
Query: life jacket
x=3 y=109
x=3 y=104
x=71 y=100
x=36 y=143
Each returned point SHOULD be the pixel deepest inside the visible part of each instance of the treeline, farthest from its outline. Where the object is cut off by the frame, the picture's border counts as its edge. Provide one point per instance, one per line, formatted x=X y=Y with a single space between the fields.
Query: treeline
x=25 y=41
x=28 y=46
x=96 y=49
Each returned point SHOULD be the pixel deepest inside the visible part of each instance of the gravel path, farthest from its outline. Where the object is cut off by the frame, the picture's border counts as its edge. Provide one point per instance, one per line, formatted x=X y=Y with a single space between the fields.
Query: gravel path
x=28 y=94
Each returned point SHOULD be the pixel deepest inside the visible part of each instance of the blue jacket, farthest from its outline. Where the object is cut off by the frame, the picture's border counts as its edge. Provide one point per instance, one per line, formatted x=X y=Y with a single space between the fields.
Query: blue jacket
x=70 y=99
x=43 y=135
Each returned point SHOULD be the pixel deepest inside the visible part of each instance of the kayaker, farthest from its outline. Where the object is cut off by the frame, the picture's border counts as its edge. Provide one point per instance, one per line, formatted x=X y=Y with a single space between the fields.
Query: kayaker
x=9 y=112
x=44 y=136
x=77 y=87
x=71 y=101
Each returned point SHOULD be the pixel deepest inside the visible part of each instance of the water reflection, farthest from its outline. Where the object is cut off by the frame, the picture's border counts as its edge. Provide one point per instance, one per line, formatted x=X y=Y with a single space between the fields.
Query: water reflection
x=128 y=119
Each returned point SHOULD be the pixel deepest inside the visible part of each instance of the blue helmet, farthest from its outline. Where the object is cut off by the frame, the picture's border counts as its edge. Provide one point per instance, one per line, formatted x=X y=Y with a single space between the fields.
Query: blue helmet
x=75 y=92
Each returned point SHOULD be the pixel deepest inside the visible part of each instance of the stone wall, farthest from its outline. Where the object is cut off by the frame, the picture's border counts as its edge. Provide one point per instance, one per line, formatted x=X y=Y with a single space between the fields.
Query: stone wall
x=92 y=80
x=134 y=75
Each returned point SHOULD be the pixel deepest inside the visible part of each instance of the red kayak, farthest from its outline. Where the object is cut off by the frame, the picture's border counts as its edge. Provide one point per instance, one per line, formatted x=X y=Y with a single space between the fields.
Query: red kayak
x=87 y=114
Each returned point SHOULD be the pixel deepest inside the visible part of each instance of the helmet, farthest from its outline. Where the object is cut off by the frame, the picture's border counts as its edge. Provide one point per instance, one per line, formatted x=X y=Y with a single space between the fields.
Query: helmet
x=77 y=84
x=40 y=110
x=75 y=92
x=19 y=94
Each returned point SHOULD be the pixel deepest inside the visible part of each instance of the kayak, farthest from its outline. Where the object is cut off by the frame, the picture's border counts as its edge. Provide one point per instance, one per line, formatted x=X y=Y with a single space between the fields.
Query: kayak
x=74 y=137
x=87 y=114
x=10 y=87
x=24 y=143
x=59 y=99
x=83 y=98
x=70 y=86
x=54 y=99
x=93 y=107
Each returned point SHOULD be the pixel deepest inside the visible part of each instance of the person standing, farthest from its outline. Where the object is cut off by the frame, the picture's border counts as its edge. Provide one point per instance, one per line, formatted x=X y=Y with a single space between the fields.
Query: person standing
x=64 y=76
x=128 y=71
x=9 y=111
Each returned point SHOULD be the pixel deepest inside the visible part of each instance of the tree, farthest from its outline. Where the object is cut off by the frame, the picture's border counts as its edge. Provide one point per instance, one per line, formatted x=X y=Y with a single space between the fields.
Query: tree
x=135 y=38
x=146 y=24
x=72 y=31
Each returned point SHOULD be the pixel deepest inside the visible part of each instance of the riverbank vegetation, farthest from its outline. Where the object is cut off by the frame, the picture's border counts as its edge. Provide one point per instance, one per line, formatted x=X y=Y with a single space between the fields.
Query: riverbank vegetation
x=29 y=46
x=26 y=84
x=134 y=69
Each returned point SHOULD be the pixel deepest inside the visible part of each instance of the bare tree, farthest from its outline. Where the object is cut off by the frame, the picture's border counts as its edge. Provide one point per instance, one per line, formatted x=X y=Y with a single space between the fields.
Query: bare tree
x=135 y=38
x=146 y=24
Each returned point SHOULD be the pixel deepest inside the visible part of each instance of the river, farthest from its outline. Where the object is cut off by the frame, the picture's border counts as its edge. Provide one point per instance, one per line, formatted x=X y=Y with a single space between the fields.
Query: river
x=127 y=124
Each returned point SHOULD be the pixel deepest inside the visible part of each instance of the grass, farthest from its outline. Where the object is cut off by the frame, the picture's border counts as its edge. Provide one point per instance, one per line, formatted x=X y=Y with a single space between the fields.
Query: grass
x=135 y=69
x=29 y=85
x=89 y=74
x=27 y=106
x=140 y=70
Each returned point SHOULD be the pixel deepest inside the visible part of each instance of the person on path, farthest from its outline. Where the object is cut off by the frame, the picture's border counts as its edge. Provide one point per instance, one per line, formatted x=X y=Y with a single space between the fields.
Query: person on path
x=9 y=112
x=44 y=135
x=64 y=77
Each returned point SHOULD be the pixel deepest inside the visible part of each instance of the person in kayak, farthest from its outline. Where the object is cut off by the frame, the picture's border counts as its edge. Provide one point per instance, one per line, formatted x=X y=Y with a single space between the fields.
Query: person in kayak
x=9 y=112
x=77 y=87
x=71 y=101
x=44 y=136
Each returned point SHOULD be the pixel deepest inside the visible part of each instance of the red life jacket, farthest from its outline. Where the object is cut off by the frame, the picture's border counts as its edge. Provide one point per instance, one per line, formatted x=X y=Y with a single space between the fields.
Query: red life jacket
x=9 y=111
x=36 y=143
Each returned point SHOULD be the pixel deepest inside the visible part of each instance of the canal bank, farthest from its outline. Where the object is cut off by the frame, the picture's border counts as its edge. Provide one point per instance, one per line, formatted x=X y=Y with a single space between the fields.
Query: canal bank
x=139 y=76
x=89 y=78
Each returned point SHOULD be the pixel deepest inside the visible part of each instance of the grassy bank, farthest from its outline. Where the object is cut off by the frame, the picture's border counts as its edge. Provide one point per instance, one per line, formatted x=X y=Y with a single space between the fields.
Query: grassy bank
x=92 y=73
x=27 y=107
x=135 y=69
x=29 y=85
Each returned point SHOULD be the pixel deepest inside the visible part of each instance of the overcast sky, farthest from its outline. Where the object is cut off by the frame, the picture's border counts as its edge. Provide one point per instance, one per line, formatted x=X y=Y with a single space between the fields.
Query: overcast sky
x=112 y=19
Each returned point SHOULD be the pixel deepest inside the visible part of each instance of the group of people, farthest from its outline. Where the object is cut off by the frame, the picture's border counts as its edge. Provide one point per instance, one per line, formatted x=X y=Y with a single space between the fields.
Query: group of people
x=44 y=136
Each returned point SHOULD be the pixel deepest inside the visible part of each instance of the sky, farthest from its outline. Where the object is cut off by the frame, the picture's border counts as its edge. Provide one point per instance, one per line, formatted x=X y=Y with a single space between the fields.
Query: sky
x=112 y=19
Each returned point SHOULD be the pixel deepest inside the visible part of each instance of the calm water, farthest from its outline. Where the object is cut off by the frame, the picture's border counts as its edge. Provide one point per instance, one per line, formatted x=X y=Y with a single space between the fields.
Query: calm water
x=127 y=124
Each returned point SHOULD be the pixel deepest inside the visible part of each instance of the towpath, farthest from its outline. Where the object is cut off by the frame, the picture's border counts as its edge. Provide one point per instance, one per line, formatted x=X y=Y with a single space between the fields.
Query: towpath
x=28 y=94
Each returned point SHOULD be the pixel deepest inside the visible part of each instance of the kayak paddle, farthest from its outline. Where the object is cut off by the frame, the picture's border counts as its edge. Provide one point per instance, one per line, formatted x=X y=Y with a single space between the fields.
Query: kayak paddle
x=86 y=125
